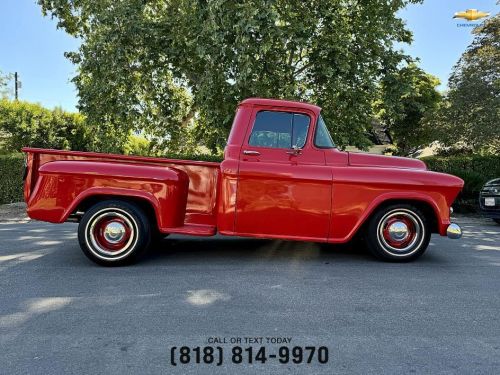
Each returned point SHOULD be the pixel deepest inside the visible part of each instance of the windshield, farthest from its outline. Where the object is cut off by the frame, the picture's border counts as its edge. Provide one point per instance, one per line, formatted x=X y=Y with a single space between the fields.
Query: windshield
x=322 y=138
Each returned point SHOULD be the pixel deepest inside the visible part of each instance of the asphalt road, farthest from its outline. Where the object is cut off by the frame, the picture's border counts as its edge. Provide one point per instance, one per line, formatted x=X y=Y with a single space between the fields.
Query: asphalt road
x=61 y=314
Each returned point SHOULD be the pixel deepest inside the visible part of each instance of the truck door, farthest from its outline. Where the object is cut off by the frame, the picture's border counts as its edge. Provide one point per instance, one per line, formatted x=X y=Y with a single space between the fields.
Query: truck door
x=284 y=187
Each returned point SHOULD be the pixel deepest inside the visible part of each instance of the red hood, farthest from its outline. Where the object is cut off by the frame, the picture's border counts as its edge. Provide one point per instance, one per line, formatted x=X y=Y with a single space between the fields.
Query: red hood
x=359 y=159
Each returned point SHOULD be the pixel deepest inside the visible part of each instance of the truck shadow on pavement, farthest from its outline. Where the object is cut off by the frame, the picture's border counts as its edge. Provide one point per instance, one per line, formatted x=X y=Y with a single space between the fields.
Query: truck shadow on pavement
x=189 y=250
x=41 y=243
x=479 y=242
x=30 y=242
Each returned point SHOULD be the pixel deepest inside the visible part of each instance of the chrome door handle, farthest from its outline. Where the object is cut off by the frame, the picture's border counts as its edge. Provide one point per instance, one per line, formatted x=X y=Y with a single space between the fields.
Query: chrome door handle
x=295 y=151
x=251 y=152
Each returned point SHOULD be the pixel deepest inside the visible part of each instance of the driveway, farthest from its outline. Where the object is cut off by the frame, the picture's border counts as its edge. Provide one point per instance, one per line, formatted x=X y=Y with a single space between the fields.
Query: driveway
x=60 y=313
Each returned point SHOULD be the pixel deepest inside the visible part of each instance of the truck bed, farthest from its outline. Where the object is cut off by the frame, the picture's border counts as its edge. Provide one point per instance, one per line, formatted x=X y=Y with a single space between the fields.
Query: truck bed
x=203 y=179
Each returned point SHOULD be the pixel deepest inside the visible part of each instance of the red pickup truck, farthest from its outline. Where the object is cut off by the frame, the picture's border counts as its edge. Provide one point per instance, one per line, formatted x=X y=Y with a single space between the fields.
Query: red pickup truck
x=281 y=177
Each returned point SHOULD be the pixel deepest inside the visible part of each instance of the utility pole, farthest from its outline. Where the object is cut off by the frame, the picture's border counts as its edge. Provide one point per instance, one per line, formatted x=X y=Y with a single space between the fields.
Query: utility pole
x=17 y=86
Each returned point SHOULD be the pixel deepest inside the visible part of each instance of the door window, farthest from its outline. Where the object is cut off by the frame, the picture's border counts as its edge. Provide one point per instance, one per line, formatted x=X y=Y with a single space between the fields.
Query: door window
x=279 y=129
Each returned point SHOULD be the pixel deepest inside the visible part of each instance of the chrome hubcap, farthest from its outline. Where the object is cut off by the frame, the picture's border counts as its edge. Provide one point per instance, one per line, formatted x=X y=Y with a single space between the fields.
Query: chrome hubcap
x=398 y=231
x=111 y=234
x=114 y=232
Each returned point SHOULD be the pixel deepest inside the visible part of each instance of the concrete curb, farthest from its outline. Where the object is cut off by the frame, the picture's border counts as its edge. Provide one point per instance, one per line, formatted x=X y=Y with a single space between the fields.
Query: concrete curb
x=13 y=213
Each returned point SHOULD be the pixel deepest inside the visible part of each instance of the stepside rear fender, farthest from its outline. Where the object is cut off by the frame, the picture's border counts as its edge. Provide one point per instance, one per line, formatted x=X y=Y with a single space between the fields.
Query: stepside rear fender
x=63 y=185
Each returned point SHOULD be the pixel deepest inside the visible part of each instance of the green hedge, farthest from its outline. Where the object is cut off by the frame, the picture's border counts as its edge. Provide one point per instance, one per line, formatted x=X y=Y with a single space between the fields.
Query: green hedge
x=11 y=178
x=200 y=157
x=474 y=170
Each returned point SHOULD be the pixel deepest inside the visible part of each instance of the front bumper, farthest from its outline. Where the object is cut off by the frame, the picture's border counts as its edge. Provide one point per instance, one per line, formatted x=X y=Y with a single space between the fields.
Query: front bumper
x=454 y=231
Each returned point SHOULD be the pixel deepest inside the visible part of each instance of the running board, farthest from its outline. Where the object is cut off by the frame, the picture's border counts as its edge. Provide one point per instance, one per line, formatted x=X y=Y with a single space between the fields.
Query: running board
x=192 y=229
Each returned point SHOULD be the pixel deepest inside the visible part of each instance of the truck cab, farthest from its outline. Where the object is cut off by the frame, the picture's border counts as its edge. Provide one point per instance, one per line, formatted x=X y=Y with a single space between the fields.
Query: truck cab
x=279 y=164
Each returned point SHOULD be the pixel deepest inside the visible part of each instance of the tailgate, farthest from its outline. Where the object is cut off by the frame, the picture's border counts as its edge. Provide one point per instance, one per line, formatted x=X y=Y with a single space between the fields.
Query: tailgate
x=31 y=165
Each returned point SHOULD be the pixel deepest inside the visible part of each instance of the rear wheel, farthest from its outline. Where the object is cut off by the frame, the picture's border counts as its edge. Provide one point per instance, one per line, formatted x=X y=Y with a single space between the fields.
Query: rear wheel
x=114 y=233
x=496 y=221
x=398 y=233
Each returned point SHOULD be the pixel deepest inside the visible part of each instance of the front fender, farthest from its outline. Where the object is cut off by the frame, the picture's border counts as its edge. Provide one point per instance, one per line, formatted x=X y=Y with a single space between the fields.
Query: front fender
x=358 y=192
x=63 y=185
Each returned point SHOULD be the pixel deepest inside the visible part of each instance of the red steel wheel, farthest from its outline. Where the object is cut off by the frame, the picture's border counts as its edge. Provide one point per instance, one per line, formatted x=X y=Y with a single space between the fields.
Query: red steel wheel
x=397 y=233
x=111 y=232
x=114 y=232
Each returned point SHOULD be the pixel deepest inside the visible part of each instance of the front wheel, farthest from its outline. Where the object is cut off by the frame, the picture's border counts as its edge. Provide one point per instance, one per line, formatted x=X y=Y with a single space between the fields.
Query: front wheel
x=496 y=221
x=114 y=233
x=398 y=233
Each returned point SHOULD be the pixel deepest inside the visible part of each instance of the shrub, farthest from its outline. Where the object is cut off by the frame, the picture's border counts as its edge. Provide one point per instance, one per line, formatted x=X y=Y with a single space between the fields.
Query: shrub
x=475 y=170
x=137 y=145
x=11 y=183
x=28 y=124
x=201 y=157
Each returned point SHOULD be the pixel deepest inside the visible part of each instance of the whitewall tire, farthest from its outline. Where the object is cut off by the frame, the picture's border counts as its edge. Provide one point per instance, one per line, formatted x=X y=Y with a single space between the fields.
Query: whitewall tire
x=114 y=232
x=398 y=232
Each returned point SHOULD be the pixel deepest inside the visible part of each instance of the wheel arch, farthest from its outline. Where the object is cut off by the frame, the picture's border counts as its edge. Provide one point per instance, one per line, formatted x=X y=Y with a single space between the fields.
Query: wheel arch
x=147 y=204
x=433 y=212
x=429 y=210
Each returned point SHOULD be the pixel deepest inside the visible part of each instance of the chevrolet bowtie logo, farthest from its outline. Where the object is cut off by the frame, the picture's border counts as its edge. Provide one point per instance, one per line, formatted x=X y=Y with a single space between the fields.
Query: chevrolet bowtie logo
x=471 y=15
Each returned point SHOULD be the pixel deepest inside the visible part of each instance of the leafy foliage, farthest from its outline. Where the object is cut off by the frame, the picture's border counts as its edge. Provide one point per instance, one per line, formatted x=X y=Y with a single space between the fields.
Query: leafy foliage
x=5 y=79
x=409 y=101
x=475 y=170
x=470 y=116
x=137 y=145
x=27 y=124
x=175 y=69
x=195 y=156
x=11 y=186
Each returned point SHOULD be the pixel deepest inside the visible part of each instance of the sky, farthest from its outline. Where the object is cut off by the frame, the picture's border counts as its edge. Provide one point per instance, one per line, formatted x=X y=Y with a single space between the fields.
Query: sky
x=32 y=45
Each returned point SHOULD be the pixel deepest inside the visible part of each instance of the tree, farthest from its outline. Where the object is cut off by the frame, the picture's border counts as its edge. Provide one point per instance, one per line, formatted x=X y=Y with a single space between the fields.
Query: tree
x=175 y=69
x=470 y=117
x=5 y=79
x=408 y=101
